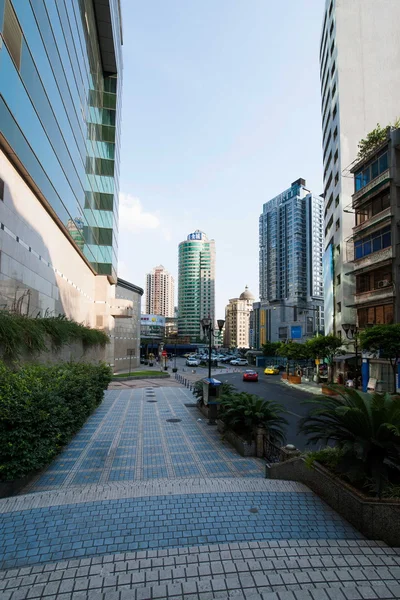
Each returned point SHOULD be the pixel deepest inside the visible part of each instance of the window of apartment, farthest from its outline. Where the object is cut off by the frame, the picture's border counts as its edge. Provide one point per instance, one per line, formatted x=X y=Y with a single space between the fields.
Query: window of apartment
x=333 y=116
x=333 y=72
x=338 y=279
x=373 y=243
x=371 y=171
x=330 y=9
x=338 y=307
x=374 y=280
x=375 y=315
x=12 y=34
x=331 y=28
x=377 y=205
x=337 y=224
x=335 y=133
x=332 y=47
x=337 y=200
x=336 y=156
x=1 y=189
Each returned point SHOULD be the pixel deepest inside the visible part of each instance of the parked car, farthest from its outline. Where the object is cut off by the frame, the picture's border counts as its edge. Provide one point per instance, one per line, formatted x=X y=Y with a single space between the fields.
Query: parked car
x=249 y=375
x=192 y=362
x=239 y=362
x=271 y=370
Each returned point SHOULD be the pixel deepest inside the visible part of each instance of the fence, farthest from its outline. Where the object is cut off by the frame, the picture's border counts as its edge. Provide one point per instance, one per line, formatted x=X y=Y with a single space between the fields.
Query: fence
x=275 y=454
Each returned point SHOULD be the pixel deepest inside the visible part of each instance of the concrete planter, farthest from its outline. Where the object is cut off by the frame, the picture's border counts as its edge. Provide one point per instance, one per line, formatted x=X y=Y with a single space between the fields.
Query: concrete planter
x=294 y=379
x=157 y=375
x=376 y=519
x=284 y=375
x=328 y=392
x=244 y=447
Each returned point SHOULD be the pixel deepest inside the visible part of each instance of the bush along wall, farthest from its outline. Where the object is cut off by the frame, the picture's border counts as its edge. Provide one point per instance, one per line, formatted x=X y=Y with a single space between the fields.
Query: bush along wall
x=41 y=409
x=20 y=334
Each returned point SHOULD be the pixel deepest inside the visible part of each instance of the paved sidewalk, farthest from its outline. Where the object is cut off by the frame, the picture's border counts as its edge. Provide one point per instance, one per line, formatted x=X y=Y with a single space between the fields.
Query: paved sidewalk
x=142 y=508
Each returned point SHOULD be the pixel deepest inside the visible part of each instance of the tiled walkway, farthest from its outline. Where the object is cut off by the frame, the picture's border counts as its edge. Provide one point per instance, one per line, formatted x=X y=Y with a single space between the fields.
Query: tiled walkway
x=141 y=508
x=130 y=438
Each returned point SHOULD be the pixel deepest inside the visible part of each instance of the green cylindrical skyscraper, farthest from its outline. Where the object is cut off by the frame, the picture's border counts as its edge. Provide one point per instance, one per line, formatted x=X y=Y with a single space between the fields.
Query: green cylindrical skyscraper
x=196 y=284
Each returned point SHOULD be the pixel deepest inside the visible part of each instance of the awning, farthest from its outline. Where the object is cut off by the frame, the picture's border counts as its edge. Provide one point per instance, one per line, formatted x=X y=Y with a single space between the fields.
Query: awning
x=344 y=357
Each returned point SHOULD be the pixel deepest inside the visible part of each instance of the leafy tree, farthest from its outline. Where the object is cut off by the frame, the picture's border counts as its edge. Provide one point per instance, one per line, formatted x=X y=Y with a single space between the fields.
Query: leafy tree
x=244 y=412
x=325 y=347
x=375 y=138
x=270 y=348
x=293 y=351
x=365 y=428
x=385 y=338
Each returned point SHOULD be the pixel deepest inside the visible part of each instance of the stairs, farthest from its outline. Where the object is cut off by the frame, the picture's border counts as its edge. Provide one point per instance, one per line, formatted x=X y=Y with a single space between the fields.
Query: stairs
x=270 y=570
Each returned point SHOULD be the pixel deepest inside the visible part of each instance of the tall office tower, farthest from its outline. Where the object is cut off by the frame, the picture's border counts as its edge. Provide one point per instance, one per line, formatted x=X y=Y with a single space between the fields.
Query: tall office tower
x=196 y=284
x=237 y=320
x=360 y=87
x=60 y=93
x=160 y=292
x=290 y=266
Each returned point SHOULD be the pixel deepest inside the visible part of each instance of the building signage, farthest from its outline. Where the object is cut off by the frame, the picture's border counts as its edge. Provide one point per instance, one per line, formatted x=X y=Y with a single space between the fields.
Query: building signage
x=295 y=332
x=152 y=320
x=197 y=235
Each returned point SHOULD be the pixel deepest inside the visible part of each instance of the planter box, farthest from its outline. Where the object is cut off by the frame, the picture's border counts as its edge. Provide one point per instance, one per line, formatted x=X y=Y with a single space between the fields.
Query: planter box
x=327 y=392
x=284 y=375
x=294 y=379
x=376 y=519
x=242 y=446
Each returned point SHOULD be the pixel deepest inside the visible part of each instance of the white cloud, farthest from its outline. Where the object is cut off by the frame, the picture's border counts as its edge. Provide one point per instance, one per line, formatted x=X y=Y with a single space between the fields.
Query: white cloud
x=132 y=217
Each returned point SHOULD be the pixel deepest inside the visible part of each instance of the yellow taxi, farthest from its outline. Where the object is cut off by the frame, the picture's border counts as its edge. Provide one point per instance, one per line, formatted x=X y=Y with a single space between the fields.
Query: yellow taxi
x=271 y=371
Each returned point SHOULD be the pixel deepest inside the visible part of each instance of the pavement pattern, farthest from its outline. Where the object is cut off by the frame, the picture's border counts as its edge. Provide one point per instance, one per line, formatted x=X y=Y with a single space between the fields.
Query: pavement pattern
x=141 y=508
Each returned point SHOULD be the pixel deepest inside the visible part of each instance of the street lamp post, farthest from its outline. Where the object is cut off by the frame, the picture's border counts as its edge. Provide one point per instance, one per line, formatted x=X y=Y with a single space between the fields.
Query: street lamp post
x=208 y=329
x=351 y=332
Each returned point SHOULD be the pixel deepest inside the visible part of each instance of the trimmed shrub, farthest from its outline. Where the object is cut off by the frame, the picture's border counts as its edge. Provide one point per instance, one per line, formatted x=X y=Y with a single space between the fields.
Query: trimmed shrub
x=41 y=409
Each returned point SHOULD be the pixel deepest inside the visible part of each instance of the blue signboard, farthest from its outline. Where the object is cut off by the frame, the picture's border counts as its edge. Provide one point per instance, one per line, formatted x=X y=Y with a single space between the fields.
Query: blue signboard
x=197 y=235
x=295 y=332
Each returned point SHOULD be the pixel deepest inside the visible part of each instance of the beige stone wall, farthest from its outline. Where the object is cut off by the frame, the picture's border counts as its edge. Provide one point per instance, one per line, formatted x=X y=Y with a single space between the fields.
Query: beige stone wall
x=127 y=330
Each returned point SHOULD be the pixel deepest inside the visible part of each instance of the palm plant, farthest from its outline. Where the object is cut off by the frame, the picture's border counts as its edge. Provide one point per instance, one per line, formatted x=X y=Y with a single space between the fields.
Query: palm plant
x=226 y=390
x=244 y=412
x=365 y=428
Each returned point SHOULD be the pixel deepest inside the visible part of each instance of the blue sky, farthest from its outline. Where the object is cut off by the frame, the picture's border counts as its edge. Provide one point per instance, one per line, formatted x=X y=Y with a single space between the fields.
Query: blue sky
x=221 y=112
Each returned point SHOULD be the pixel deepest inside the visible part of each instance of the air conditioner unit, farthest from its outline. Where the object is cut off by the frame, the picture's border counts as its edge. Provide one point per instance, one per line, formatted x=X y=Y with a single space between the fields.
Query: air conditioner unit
x=383 y=283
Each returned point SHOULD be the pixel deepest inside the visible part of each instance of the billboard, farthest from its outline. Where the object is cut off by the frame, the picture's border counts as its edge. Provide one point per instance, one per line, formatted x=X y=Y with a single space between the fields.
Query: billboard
x=157 y=320
x=197 y=235
x=295 y=332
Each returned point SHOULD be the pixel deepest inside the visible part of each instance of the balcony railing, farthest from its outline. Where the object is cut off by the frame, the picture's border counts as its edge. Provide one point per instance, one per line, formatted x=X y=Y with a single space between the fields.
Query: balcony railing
x=371 y=259
x=373 y=295
x=381 y=216
x=376 y=182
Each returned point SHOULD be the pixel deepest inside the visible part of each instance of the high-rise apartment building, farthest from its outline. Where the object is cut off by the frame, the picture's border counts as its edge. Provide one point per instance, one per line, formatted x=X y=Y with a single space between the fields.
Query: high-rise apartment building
x=196 y=284
x=290 y=266
x=160 y=292
x=237 y=320
x=360 y=87
x=60 y=94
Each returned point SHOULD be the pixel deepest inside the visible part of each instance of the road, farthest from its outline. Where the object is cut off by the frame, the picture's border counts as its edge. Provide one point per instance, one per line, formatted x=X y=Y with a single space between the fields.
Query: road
x=269 y=387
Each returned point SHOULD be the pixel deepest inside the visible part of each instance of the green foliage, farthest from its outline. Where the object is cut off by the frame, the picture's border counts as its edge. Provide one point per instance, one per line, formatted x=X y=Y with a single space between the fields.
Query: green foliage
x=329 y=457
x=41 y=408
x=365 y=428
x=243 y=413
x=384 y=338
x=20 y=333
x=374 y=139
x=325 y=347
x=270 y=348
x=293 y=351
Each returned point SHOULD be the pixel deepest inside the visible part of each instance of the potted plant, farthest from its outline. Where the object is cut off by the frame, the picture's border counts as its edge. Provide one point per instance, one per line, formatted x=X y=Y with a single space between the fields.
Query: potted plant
x=248 y=416
x=293 y=351
x=325 y=347
x=365 y=429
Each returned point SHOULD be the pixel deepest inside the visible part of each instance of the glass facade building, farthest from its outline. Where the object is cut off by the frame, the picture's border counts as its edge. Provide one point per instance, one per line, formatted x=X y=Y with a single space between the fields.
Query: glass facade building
x=196 y=284
x=290 y=264
x=60 y=82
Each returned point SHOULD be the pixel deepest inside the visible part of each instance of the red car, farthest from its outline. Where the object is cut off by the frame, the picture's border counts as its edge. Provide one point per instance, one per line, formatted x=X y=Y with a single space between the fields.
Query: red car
x=250 y=376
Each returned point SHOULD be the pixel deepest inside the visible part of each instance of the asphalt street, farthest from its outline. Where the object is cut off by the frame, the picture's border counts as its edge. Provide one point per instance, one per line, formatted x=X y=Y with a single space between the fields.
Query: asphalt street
x=269 y=387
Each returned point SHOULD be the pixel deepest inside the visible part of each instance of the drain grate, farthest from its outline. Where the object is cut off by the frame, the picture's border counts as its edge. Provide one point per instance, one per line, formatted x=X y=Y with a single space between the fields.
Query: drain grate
x=174 y=420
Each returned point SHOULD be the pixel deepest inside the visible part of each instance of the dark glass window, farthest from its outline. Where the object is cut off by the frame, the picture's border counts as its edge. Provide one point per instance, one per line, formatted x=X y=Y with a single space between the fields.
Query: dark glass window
x=372 y=243
x=12 y=33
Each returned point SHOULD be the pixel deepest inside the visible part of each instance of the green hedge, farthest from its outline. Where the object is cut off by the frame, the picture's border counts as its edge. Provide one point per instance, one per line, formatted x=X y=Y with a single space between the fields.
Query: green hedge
x=21 y=333
x=41 y=408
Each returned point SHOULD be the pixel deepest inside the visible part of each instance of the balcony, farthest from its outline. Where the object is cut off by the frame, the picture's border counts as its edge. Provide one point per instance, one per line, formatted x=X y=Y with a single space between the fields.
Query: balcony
x=374 y=295
x=122 y=309
x=375 y=220
x=372 y=259
x=370 y=187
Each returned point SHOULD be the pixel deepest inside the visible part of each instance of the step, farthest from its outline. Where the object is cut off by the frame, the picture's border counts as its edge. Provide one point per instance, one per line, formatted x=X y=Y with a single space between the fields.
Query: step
x=284 y=570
